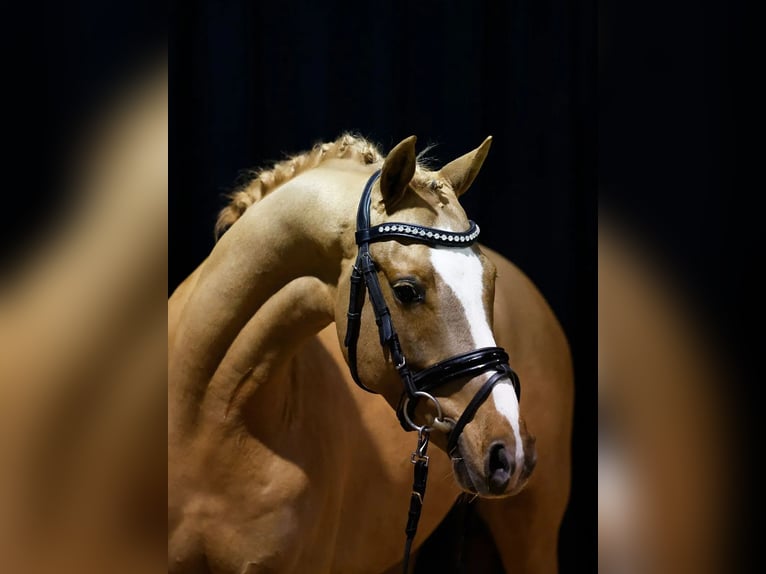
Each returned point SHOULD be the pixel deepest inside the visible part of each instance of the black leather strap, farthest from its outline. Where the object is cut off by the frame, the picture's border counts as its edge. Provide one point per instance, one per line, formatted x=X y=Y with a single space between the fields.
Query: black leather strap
x=354 y=321
x=465 y=365
x=470 y=410
x=417 y=496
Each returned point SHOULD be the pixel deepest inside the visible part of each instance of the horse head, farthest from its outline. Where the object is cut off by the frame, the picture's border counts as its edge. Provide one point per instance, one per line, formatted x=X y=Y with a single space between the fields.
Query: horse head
x=438 y=295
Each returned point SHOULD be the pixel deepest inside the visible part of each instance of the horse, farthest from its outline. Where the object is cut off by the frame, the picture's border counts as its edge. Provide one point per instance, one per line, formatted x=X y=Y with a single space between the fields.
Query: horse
x=277 y=460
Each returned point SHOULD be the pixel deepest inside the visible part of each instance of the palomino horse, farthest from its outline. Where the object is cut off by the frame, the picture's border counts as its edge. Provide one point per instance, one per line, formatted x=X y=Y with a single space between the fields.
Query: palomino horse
x=278 y=462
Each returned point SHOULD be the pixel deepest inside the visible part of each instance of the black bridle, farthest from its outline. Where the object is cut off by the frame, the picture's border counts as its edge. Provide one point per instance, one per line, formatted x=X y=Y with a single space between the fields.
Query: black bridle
x=417 y=385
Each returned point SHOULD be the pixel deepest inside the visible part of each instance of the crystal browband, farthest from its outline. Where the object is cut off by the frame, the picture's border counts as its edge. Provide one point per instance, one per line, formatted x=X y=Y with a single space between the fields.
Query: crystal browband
x=429 y=235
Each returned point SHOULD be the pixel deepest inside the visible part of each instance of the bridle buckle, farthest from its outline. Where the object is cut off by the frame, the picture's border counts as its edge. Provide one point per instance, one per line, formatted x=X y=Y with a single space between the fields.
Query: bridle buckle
x=419 y=454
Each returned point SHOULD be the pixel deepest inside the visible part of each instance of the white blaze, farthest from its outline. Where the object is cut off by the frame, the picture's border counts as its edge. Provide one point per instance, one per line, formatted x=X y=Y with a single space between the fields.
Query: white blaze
x=461 y=269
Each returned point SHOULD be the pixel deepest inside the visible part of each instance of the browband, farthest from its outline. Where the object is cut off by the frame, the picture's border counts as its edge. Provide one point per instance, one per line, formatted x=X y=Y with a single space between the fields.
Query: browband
x=366 y=234
x=418 y=233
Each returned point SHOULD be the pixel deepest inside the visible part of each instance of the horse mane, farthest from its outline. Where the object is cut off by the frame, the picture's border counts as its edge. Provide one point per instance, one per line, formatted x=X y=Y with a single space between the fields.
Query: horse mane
x=264 y=181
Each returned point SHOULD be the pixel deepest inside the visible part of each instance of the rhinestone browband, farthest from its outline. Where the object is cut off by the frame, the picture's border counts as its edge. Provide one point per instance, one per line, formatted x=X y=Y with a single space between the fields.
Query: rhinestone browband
x=387 y=231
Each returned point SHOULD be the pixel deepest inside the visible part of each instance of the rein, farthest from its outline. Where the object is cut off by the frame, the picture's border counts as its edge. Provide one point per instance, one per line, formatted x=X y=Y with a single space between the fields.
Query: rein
x=416 y=385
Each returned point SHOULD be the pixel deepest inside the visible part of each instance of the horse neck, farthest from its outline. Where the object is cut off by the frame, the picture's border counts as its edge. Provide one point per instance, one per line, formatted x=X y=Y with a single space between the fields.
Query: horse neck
x=268 y=283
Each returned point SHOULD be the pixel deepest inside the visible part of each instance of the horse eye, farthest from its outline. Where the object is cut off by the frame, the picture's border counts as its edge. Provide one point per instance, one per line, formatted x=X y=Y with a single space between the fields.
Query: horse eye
x=407 y=293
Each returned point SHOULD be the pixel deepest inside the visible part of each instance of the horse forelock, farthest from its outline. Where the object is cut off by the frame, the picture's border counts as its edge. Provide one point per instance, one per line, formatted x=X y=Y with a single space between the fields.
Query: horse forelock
x=259 y=183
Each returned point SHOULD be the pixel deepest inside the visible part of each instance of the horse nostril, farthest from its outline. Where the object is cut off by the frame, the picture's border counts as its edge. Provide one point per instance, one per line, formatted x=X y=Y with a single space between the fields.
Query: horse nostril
x=501 y=468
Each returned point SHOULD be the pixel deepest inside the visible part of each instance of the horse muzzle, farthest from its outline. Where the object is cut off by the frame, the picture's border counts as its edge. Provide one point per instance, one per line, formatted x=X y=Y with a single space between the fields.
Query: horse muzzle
x=498 y=472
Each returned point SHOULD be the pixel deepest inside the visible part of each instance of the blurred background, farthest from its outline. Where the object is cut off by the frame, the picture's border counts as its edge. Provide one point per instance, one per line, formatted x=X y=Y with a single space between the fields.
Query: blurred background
x=83 y=263
x=252 y=82
x=680 y=157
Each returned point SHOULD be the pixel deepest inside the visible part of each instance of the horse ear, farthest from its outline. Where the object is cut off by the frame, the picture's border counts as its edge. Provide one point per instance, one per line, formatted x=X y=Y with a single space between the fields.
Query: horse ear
x=461 y=172
x=397 y=172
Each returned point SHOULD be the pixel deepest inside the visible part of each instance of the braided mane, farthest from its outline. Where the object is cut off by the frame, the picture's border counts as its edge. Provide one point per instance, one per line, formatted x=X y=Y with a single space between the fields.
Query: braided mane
x=264 y=181
x=348 y=146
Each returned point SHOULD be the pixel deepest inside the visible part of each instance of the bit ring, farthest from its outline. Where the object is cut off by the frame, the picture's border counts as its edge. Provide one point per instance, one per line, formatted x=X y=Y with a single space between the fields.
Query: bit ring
x=405 y=410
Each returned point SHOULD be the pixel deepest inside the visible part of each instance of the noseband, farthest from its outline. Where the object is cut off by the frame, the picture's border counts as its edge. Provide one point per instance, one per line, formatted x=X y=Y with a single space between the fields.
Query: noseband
x=420 y=384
